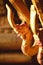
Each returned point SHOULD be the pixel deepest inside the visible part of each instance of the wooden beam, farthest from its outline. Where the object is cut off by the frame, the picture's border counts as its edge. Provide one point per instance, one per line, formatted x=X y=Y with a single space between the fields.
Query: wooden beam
x=14 y=58
x=9 y=41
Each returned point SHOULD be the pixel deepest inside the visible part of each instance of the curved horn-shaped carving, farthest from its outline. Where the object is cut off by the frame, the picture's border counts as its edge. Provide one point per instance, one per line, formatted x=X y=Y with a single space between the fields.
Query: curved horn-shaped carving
x=24 y=32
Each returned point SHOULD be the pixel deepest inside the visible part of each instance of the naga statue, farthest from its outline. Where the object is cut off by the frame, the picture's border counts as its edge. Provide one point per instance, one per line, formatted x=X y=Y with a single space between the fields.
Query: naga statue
x=25 y=27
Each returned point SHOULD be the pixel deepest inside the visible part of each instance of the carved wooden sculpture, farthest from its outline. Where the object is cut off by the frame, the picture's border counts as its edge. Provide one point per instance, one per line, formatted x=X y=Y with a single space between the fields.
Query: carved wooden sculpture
x=23 y=29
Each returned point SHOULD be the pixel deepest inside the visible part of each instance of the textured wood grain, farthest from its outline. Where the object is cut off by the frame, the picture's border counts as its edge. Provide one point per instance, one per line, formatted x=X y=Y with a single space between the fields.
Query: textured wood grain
x=14 y=58
x=8 y=38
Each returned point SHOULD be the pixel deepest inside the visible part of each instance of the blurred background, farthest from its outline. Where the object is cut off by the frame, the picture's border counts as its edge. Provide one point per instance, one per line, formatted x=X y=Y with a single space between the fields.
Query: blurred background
x=10 y=43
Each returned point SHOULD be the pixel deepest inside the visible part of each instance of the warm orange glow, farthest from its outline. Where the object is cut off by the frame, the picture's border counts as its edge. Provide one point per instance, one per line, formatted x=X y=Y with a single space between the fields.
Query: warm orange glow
x=22 y=17
x=26 y=48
